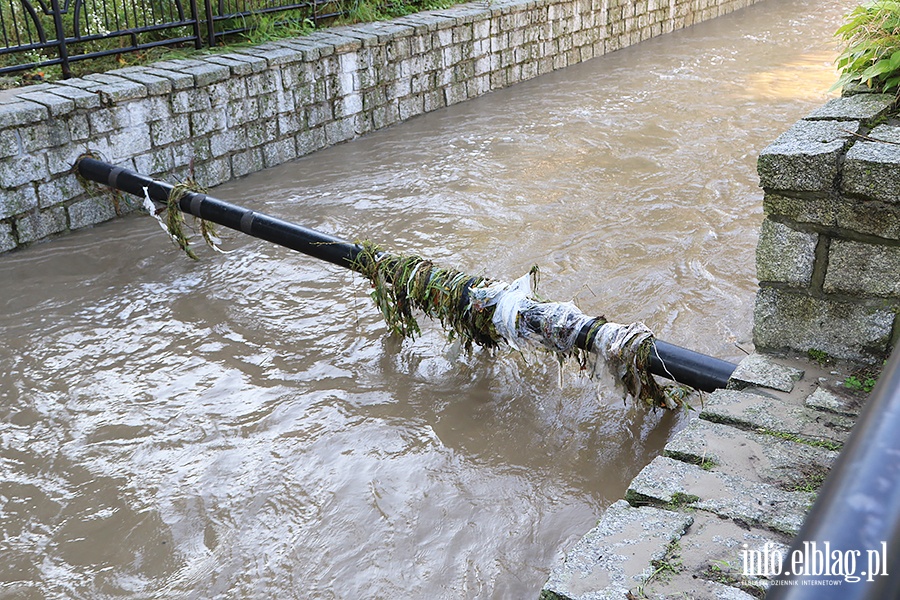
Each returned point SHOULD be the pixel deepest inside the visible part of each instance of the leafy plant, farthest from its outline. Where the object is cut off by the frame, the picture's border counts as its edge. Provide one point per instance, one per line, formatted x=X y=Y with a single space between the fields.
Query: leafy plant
x=871 y=40
x=707 y=464
x=865 y=378
x=818 y=356
x=865 y=385
x=356 y=11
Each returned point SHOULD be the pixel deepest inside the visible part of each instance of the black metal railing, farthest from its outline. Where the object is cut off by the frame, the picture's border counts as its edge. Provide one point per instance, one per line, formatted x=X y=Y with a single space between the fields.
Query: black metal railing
x=42 y=33
x=230 y=17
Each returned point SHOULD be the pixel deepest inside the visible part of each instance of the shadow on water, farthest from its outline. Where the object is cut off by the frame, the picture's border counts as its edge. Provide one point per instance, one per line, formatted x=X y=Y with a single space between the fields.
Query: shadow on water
x=242 y=427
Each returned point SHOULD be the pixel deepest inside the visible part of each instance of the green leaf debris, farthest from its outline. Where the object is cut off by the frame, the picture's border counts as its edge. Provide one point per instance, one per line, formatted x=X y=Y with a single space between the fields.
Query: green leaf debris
x=174 y=222
x=479 y=311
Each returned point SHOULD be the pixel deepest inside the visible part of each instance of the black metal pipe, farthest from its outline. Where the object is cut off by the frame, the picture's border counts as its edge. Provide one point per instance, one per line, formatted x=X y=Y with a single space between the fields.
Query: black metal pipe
x=308 y=241
x=853 y=529
x=703 y=372
x=674 y=362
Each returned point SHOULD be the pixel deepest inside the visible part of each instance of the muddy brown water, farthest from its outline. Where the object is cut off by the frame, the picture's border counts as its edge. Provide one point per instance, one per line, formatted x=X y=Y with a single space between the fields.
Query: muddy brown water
x=242 y=427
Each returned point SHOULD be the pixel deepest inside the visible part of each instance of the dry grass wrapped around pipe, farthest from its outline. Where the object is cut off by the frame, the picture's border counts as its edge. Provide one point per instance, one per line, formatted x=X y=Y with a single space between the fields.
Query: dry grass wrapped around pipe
x=479 y=311
x=173 y=223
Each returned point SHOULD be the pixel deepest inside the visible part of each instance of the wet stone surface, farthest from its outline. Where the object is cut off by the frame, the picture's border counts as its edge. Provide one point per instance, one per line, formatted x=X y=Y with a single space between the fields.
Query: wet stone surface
x=613 y=556
x=805 y=157
x=861 y=107
x=742 y=476
x=824 y=400
x=760 y=371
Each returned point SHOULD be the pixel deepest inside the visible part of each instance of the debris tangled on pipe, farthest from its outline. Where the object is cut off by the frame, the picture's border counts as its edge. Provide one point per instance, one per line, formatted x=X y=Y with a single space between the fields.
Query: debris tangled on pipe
x=173 y=224
x=120 y=202
x=489 y=313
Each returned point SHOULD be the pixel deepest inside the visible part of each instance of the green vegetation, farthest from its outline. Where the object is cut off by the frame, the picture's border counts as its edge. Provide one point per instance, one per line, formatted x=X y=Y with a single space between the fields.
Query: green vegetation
x=97 y=192
x=403 y=283
x=870 y=38
x=267 y=27
x=826 y=444
x=103 y=22
x=663 y=568
x=669 y=564
x=704 y=462
x=864 y=379
x=680 y=499
x=465 y=307
x=853 y=383
x=707 y=464
x=819 y=357
x=174 y=221
x=361 y=11
x=721 y=571
x=810 y=482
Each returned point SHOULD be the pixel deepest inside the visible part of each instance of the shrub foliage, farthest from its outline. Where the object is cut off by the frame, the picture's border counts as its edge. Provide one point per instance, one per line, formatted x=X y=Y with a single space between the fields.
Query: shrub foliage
x=870 y=39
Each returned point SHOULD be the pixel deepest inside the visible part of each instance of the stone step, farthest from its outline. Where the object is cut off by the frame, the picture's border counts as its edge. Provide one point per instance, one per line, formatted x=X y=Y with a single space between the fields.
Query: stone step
x=708 y=562
x=680 y=588
x=827 y=401
x=615 y=557
x=757 y=457
x=676 y=484
x=762 y=371
x=787 y=418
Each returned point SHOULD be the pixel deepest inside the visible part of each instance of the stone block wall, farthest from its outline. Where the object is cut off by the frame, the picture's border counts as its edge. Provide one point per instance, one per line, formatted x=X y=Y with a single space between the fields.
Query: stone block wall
x=227 y=115
x=828 y=258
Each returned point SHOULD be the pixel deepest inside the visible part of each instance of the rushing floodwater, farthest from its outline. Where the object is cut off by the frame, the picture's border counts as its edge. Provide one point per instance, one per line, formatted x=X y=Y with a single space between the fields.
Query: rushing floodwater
x=241 y=427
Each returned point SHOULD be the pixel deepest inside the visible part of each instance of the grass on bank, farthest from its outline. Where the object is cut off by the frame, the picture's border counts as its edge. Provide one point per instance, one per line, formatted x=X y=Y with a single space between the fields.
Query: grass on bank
x=261 y=28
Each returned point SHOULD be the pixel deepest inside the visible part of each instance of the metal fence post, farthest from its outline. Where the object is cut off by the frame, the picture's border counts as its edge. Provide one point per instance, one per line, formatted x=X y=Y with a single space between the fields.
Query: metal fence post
x=60 y=38
x=198 y=39
x=210 y=24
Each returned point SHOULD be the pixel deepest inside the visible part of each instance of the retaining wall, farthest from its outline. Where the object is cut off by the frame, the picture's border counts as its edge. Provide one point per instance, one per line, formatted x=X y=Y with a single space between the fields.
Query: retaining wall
x=232 y=114
x=828 y=258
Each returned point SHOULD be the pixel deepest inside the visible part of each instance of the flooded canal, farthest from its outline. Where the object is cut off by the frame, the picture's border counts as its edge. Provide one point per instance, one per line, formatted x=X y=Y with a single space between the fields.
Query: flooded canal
x=242 y=427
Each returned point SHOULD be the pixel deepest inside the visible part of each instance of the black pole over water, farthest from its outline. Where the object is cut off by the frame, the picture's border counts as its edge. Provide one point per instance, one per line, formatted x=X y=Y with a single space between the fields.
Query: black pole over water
x=258 y=225
x=673 y=362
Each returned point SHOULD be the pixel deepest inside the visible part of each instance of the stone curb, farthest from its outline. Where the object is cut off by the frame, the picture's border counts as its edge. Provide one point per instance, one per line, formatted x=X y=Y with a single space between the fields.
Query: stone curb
x=759 y=412
x=741 y=473
x=756 y=457
x=615 y=556
x=761 y=371
x=674 y=483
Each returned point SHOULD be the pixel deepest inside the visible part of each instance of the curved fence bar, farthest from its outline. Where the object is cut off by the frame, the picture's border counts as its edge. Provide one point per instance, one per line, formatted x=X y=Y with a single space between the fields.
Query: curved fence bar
x=685 y=366
x=849 y=545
